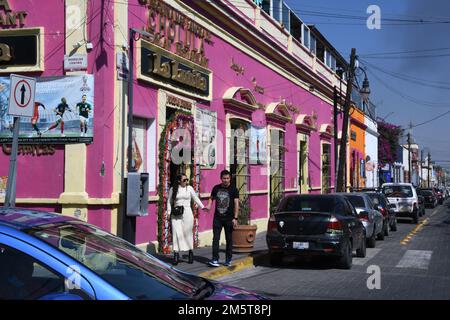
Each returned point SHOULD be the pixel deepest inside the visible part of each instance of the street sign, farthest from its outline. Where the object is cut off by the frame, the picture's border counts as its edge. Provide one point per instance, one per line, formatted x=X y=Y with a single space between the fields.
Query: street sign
x=21 y=96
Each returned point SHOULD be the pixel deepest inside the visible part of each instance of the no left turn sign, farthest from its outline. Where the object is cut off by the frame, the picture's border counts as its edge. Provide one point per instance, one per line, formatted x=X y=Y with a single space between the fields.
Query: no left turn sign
x=21 y=97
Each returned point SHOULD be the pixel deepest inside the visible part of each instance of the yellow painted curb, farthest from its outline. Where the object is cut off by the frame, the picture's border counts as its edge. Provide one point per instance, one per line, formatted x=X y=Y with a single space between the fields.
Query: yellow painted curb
x=236 y=266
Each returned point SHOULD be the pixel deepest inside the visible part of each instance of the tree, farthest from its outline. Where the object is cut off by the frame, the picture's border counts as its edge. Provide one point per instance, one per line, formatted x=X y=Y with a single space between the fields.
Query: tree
x=388 y=142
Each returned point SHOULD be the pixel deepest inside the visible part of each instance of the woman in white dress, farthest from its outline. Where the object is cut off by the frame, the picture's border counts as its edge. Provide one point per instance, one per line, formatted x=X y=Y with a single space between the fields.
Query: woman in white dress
x=181 y=195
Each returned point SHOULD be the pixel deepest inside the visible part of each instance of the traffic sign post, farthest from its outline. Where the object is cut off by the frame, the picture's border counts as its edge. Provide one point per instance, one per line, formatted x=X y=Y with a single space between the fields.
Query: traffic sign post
x=21 y=102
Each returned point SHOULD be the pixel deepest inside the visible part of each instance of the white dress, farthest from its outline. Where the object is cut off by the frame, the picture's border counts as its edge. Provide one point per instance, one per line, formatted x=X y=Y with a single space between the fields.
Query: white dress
x=182 y=233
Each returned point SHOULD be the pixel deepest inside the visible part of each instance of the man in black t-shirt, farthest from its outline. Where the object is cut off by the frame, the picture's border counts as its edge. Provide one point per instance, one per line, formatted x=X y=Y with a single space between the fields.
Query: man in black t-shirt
x=84 y=109
x=225 y=216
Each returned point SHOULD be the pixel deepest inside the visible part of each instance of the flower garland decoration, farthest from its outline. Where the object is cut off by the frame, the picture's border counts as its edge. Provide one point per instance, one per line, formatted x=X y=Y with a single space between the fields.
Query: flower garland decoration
x=165 y=149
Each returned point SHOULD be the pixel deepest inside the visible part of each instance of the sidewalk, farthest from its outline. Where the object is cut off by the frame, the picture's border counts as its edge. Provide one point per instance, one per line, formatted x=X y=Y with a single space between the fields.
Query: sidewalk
x=203 y=255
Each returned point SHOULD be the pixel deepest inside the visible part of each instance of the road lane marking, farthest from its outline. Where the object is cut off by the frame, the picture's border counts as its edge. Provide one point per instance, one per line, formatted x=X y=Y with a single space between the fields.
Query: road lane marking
x=417 y=259
x=370 y=253
x=410 y=235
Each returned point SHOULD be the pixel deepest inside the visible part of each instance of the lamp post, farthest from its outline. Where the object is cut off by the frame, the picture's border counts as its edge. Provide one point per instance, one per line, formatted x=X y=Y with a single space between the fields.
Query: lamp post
x=364 y=92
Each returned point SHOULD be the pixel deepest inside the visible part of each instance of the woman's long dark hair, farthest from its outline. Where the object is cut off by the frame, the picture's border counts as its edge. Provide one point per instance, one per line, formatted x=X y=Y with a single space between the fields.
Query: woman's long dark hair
x=175 y=187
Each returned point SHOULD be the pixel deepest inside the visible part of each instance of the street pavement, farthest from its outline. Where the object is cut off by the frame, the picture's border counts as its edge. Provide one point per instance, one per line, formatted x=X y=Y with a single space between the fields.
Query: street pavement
x=413 y=263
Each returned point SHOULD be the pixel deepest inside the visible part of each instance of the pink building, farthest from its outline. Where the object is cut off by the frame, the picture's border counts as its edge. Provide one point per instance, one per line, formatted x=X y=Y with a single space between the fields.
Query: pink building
x=251 y=96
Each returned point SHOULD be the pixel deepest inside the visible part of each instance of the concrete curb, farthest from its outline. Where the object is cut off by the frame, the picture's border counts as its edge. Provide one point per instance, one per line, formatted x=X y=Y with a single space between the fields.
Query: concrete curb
x=238 y=265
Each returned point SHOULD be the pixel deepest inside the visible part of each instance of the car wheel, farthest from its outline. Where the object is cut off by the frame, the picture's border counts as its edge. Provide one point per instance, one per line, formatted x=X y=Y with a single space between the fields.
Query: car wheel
x=386 y=229
x=345 y=262
x=371 y=242
x=394 y=225
x=380 y=236
x=276 y=258
x=361 y=252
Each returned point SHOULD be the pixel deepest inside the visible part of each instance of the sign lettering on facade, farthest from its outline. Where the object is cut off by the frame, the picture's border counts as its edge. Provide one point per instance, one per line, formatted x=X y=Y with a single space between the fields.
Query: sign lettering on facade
x=10 y=18
x=176 y=32
x=169 y=69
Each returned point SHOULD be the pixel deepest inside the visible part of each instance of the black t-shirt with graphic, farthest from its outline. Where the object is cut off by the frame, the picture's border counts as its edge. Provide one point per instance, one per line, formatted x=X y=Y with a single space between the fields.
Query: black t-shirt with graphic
x=224 y=197
x=84 y=108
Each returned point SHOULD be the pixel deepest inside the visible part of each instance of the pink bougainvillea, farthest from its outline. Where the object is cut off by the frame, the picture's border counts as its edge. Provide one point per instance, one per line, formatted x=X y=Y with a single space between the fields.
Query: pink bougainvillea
x=388 y=141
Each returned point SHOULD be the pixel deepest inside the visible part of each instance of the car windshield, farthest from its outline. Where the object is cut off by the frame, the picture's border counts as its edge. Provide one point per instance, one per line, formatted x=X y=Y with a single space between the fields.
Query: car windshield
x=132 y=271
x=375 y=198
x=307 y=204
x=398 y=191
x=427 y=192
x=356 y=201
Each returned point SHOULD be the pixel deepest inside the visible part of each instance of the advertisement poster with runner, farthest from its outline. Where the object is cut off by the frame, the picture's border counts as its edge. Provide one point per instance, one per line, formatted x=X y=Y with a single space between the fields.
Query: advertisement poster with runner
x=63 y=112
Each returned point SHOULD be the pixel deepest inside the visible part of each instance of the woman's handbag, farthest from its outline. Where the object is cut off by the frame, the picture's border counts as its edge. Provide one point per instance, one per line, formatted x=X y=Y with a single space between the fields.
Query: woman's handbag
x=178 y=211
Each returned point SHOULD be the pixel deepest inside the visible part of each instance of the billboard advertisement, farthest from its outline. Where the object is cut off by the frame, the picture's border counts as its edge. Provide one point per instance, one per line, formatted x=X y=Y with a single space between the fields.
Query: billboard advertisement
x=63 y=112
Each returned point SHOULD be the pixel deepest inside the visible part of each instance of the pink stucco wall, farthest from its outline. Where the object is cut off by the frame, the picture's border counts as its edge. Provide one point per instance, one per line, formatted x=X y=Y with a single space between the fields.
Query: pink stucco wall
x=276 y=87
x=43 y=176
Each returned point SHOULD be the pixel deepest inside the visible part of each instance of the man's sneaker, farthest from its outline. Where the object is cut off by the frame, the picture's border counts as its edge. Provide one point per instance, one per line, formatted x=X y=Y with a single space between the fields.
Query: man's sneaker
x=63 y=135
x=214 y=263
x=227 y=263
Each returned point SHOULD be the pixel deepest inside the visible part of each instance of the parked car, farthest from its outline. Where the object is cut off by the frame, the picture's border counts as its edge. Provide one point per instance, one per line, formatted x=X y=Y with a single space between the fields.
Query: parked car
x=324 y=225
x=47 y=256
x=440 y=195
x=372 y=219
x=382 y=204
x=430 y=199
x=404 y=196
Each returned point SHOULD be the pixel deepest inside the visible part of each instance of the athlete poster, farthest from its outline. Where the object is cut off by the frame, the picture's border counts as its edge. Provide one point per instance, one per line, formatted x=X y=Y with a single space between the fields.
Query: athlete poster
x=63 y=112
x=205 y=137
x=3 y=183
x=258 y=145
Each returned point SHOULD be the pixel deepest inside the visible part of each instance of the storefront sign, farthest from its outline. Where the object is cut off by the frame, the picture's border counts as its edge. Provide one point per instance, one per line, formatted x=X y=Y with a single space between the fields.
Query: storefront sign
x=34 y=150
x=176 y=32
x=178 y=102
x=62 y=105
x=10 y=18
x=163 y=67
x=75 y=62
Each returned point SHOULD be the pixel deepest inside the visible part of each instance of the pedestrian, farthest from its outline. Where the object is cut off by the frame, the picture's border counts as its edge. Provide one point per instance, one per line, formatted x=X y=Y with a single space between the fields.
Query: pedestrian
x=226 y=197
x=180 y=212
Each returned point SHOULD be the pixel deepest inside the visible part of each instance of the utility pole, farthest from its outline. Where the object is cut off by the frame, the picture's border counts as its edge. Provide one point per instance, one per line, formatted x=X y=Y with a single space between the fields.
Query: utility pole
x=421 y=164
x=343 y=146
x=428 y=168
x=409 y=157
x=335 y=124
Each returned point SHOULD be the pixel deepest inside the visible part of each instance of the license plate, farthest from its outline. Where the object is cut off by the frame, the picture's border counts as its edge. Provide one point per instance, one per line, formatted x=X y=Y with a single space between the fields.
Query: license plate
x=300 y=245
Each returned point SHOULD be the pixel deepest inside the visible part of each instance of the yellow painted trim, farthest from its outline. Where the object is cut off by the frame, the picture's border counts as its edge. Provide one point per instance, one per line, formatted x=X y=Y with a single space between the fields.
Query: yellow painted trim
x=291 y=190
x=40 y=66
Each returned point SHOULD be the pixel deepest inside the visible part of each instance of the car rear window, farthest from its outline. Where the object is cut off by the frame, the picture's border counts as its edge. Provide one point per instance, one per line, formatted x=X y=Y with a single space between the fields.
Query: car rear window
x=427 y=192
x=356 y=201
x=375 y=198
x=307 y=204
x=398 y=191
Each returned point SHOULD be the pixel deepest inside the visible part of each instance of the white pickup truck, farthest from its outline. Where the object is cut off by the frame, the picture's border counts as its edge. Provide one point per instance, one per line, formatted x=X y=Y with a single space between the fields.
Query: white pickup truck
x=404 y=197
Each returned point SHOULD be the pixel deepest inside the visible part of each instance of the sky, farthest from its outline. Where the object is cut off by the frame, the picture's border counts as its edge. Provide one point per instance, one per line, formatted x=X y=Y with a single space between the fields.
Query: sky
x=407 y=60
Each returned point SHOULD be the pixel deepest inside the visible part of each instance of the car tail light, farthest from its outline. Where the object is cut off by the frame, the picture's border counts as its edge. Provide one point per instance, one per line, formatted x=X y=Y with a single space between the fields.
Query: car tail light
x=364 y=216
x=383 y=211
x=272 y=225
x=334 y=226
